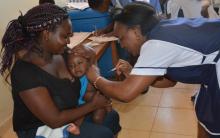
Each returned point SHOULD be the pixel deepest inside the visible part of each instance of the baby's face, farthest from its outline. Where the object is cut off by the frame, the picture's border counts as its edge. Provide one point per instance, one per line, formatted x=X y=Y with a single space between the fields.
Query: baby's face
x=77 y=65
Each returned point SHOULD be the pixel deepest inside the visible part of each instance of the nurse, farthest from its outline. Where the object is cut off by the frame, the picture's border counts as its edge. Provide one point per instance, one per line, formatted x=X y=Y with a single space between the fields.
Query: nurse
x=183 y=50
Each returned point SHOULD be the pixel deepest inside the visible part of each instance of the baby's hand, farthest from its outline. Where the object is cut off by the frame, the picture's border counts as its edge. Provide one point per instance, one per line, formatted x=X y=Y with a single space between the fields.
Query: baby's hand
x=99 y=100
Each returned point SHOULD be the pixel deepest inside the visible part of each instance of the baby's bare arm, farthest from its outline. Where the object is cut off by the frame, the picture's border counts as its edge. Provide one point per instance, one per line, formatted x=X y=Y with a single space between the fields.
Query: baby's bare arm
x=90 y=91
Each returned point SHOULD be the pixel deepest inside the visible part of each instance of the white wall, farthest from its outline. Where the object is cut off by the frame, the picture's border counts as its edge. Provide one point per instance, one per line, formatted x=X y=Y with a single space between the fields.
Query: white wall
x=9 y=9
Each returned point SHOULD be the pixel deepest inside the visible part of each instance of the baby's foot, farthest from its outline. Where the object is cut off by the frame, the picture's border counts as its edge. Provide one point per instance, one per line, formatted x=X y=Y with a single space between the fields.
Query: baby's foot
x=73 y=129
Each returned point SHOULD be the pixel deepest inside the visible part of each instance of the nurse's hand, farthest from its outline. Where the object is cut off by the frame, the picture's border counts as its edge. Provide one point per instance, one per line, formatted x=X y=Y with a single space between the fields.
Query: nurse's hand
x=123 y=67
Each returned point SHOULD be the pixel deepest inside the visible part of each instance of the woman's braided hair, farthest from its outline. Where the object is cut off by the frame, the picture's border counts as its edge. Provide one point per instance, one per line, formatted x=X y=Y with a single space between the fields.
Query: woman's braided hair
x=23 y=33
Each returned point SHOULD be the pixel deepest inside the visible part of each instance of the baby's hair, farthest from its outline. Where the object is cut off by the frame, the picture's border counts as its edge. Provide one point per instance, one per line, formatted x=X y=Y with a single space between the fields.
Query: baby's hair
x=72 y=54
x=67 y=53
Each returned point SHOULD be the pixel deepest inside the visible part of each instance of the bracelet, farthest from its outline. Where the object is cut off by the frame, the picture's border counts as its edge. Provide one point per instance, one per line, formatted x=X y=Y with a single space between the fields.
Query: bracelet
x=96 y=80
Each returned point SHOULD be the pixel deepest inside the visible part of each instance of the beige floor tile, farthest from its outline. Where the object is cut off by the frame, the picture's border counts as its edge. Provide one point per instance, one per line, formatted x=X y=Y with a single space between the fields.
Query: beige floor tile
x=5 y=126
x=128 y=133
x=9 y=134
x=137 y=117
x=177 y=121
x=177 y=98
x=116 y=106
x=166 y=135
x=151 y=98
x=186 y=86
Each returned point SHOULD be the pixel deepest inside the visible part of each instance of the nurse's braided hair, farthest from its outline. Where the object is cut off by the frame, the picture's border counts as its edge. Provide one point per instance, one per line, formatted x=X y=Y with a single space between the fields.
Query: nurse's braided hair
x=23 y=33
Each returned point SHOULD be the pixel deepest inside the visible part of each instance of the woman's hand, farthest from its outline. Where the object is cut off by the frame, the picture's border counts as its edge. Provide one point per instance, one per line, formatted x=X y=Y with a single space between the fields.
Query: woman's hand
x=73 y=129
x=99 y=32
x=107 y=31
x=100 y=100
x=92 y=73
x=86 y=52
x=123 y=67
x=109 y=34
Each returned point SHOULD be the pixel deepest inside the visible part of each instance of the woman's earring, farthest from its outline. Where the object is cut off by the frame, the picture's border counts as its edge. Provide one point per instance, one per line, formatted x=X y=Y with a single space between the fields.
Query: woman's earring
x=46 y=35
x=46 y=38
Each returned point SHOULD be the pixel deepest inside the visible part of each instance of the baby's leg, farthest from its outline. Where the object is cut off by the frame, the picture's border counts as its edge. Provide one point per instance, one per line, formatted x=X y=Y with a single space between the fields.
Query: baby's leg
x=73 y=129
x=99 y=115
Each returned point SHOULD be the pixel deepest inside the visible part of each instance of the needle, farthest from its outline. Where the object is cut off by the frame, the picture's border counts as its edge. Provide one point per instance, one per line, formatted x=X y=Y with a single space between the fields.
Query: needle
x=114 y=69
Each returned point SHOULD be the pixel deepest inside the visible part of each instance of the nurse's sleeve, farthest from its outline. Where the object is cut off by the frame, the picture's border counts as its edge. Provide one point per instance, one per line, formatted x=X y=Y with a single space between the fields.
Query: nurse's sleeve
x=155 y=57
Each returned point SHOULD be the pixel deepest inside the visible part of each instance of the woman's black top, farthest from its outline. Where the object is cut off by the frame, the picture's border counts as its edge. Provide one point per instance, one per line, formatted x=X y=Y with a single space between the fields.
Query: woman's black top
x=26 y=76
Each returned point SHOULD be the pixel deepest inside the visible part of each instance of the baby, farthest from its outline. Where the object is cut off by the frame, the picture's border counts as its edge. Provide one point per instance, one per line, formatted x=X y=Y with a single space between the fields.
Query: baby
x=78 y=65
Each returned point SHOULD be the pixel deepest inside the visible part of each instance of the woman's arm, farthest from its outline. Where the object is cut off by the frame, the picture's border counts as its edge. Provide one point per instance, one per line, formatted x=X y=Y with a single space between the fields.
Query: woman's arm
x=163 y=82
x=132 y=86
x=105 y=31
x=40 y=103
x=126 y=90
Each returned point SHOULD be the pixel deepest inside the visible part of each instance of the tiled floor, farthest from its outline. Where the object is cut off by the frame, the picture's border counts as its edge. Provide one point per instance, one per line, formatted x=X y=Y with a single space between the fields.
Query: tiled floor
x=161 y=113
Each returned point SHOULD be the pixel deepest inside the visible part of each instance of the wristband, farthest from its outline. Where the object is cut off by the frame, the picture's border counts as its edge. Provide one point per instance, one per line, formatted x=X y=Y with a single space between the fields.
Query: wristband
x=96 y=80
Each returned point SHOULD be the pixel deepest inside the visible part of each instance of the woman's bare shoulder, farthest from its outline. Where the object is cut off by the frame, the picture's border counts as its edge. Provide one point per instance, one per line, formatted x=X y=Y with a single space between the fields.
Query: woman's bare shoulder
x=60 y=65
